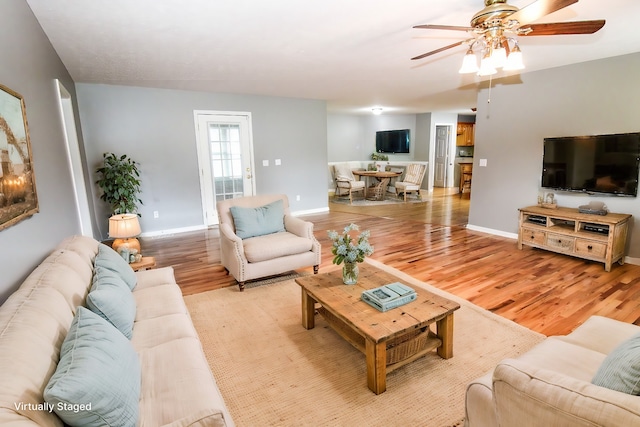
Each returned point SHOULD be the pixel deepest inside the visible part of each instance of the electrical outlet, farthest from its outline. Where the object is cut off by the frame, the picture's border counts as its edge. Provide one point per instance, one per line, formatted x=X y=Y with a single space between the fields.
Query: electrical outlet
x=298 y=198
x=156 y=214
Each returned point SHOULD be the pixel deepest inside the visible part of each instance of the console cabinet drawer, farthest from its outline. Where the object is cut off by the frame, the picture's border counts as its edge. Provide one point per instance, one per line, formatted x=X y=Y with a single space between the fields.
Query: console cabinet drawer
x=535 y=237
x=591 y=249
x=560 y=242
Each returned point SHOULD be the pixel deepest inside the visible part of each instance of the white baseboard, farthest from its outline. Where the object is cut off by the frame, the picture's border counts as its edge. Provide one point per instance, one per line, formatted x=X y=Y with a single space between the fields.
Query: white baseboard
x=173 y=231
x=310 y=211
x=492 y=231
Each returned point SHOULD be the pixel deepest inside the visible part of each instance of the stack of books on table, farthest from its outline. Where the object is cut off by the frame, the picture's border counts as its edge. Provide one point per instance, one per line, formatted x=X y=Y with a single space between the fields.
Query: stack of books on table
x=389 y=296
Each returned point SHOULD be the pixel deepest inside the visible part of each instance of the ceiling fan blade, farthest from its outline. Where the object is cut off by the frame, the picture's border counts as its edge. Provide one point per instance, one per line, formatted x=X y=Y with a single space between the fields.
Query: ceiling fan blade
x=433 y=52
x=558 y=28
x=443 y=27
x=538 y=9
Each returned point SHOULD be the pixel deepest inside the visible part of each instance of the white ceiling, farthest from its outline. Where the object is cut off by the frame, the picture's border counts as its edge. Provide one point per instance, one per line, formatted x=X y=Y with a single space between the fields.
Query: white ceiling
x=355 y=54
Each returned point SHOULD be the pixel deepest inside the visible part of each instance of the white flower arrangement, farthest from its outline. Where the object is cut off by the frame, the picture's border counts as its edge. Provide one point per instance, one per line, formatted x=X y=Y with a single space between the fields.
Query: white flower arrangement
x=346 y=249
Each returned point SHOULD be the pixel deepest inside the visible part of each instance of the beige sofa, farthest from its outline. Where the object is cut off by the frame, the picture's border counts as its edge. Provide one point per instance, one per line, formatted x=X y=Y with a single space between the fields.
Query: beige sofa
x=550 y=385
x=283 y=242
x=176 y=384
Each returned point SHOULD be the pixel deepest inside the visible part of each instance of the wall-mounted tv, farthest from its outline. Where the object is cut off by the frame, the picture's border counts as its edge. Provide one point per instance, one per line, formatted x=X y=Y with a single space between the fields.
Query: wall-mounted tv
x=393 y=141
x=599 y=164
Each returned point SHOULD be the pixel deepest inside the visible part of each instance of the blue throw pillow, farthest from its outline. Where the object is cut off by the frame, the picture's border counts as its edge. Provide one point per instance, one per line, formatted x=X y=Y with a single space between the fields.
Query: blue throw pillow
x=111 y=299
x=97 y=380
x=620 y=370
x=110 y=259
x=252 y=222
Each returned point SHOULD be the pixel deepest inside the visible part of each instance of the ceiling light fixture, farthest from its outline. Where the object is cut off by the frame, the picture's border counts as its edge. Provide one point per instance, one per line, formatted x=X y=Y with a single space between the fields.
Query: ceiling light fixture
x=497 y=52
x=377 y=111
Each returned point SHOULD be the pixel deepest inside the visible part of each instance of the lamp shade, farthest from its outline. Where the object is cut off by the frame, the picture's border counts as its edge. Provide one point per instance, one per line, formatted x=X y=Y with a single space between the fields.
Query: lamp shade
x=123 y=226
x=469 y=63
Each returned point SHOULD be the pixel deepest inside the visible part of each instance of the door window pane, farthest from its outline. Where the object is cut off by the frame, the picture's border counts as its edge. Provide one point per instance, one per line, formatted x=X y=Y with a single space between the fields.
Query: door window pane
x=226 y=162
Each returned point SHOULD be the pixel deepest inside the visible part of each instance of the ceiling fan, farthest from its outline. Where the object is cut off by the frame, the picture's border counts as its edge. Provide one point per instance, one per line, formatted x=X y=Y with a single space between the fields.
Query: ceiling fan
x=494 y=31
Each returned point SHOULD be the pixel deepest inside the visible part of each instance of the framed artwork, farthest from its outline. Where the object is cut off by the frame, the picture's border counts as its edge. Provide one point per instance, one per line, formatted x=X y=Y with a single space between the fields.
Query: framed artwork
x=18 y=198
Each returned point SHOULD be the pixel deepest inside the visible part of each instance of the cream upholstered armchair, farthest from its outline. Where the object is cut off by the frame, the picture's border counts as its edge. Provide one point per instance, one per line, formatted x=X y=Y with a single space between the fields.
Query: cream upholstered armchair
x=412 y=180
x=259 y=238
x=346 y=183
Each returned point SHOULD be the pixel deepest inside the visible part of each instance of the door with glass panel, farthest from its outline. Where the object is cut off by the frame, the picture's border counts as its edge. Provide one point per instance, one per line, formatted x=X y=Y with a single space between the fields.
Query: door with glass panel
x=225 y=158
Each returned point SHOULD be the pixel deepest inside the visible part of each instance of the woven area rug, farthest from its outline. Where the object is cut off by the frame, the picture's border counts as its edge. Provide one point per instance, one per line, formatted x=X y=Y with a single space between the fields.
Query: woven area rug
x=273 y=372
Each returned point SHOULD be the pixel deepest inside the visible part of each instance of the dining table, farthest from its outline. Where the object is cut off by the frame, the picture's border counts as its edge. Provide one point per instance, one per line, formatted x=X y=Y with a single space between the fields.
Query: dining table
x=377 y=190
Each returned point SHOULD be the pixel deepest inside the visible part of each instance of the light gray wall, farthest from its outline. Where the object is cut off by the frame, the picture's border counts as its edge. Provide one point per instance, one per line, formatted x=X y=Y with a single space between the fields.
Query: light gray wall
x=30 y=67
x=155 y=127
x=591 y=98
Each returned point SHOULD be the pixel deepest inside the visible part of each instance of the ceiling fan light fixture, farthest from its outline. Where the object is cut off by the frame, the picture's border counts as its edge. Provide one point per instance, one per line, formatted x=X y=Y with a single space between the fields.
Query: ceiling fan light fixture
x=498 y=57
x=486 y=66
x=469 y=63
x=514 y=60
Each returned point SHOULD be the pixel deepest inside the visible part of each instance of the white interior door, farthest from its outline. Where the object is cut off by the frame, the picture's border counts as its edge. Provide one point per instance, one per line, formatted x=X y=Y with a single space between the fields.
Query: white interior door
x=225 y=158
x=441 y=160
x=75 y=162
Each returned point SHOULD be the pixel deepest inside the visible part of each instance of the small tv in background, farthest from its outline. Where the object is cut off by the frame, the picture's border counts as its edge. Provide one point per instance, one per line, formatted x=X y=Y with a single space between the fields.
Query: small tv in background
x=599 y=164
x=393 y=141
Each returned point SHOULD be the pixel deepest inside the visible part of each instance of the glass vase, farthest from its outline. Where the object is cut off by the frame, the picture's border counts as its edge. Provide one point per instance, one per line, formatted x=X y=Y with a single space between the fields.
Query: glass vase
x=350 y=273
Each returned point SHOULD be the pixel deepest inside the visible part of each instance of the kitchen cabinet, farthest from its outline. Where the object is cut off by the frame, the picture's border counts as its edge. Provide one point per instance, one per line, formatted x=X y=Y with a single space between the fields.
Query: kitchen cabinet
x=465 y=134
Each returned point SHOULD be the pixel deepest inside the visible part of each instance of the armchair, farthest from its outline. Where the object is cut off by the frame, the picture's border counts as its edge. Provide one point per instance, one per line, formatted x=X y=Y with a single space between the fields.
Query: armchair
x=259 y=238
x=346 y=183
x=412 y=180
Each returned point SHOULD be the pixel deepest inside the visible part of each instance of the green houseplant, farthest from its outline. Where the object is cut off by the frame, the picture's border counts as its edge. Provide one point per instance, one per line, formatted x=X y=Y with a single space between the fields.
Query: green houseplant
x=119 y=180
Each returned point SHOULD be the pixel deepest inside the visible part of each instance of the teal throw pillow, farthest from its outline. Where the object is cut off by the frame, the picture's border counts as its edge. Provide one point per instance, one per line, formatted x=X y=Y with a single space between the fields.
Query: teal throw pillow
x=97 y=380
x=110 y=259
x=620 y=370
x=252 y=222
x=111 y=299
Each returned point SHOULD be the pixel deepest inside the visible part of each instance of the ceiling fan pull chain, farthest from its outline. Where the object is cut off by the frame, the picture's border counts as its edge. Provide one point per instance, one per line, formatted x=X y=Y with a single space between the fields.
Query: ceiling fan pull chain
x=490 y=80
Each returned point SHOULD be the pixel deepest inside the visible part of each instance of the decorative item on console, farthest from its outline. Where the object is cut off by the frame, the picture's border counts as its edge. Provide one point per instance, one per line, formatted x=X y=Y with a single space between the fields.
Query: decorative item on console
x=547 y=200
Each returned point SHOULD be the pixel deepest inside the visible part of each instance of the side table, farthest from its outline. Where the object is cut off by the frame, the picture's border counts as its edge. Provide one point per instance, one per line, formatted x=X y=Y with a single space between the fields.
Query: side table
x=145 y=263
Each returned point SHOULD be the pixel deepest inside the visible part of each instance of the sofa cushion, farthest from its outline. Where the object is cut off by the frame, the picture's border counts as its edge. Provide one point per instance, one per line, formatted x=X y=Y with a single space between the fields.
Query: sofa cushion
x=621 y=368
x=108 y=258
x=111 y=299
x=251 y=222
x=97 y=381
x=276 y=245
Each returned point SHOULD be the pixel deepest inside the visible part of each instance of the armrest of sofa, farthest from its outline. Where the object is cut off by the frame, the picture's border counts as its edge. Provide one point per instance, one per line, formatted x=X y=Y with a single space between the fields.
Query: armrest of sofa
x=527 y=395
x=299 y=227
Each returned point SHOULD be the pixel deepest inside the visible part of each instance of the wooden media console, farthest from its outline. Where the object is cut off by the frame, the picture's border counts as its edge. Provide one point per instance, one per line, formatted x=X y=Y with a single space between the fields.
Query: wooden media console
x=599 y=238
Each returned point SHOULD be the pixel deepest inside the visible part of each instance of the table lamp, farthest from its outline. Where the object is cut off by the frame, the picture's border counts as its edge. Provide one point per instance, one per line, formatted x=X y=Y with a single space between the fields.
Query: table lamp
x=124 y=228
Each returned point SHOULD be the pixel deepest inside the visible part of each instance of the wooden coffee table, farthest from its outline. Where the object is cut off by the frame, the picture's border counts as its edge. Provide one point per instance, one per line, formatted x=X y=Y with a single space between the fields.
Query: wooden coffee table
x=388 y=339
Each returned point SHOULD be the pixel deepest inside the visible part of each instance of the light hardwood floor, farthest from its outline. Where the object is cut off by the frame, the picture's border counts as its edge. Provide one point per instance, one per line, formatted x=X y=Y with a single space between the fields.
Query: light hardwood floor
x=546 y=292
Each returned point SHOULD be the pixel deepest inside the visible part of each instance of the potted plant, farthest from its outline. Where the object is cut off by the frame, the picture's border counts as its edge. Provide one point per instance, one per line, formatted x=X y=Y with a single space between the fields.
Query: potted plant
x=119 y=180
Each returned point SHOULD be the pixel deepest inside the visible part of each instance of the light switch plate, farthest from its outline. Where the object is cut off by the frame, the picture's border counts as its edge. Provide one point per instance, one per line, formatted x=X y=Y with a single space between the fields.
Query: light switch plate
x=265 y=163
x=483 y=162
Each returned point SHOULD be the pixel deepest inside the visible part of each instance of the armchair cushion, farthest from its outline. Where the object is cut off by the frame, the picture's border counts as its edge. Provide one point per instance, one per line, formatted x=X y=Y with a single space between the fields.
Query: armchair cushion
x=620 y=370
x=276 y=245
x=252 y=222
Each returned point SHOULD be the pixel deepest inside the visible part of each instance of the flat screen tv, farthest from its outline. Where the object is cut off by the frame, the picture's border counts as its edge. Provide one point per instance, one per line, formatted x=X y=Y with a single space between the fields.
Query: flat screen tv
x=392 y=141
x=600 y=164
